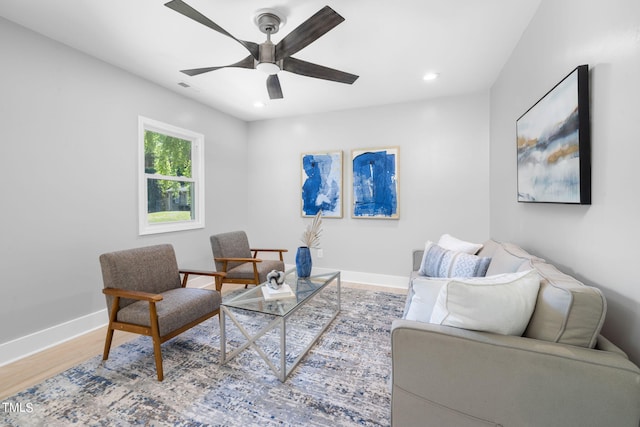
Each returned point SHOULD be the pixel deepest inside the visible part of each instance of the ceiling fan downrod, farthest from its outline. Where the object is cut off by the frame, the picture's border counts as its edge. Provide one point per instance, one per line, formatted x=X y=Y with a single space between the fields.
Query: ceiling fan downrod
x=268 y=23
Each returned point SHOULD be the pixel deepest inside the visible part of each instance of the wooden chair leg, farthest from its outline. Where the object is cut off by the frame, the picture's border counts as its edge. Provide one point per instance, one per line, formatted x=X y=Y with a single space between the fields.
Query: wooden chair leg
x=107 y=343
x=112 y=318
x=256 y=275
x=155 y=334
x=157 y=351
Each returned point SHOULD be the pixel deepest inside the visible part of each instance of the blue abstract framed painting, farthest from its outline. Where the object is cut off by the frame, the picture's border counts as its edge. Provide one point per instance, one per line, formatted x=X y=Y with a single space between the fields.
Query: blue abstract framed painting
x=375 y=183
x=322 y=184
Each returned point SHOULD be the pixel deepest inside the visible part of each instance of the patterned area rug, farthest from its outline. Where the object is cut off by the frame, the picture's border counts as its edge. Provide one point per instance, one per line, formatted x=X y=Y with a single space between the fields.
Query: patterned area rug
x=342 y=381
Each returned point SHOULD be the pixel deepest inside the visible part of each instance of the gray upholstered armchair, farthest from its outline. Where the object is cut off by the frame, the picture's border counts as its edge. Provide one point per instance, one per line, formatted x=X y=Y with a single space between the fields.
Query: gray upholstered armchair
x=233 y=256
x=145 y=296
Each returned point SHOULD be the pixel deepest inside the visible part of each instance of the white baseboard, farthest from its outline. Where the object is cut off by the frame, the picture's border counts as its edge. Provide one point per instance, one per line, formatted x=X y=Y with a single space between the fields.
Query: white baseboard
x=401 y=282
x=374 y=279
x=36 y=342
x=27 y=345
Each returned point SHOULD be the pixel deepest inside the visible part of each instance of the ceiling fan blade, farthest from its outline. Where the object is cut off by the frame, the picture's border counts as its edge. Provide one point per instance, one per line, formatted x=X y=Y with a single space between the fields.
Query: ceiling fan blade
x=307 y=32
x=247 y=62
x=309 y=69
x=186 y=10
x=273 y=87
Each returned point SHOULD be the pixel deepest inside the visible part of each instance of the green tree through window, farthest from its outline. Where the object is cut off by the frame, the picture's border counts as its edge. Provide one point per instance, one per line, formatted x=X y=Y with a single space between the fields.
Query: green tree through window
x=168 y=156
x=170 y=181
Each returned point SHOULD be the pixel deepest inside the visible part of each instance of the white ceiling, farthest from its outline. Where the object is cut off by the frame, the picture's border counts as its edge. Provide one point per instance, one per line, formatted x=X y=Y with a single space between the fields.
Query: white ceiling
x=389 y=44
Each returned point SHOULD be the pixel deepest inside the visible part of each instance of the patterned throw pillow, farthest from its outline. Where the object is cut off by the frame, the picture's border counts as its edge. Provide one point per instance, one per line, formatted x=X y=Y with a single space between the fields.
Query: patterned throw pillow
x=440 y=262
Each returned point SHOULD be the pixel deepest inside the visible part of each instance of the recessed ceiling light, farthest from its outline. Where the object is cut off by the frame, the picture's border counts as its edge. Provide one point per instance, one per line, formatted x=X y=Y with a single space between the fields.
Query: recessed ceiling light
x=430 y=76
x=259 y=104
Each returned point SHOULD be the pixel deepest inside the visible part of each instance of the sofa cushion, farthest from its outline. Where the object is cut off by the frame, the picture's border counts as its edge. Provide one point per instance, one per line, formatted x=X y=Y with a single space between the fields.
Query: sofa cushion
x=508 y=258
x=489 y=247
x=500 y=304
x=439 y=262
x=567 y=311
x=451 y=243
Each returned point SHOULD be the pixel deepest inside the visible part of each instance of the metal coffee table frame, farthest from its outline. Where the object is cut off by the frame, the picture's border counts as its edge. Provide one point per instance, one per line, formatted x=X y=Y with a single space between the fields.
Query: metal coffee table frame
x=252 y=300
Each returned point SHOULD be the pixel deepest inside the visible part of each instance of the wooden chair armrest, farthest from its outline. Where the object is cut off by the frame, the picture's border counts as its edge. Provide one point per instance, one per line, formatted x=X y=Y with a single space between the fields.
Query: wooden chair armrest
x=186 y=273
x=269 y=250
x=204 y=273
x=139 y=295
x=238 y=259
x=280 y=251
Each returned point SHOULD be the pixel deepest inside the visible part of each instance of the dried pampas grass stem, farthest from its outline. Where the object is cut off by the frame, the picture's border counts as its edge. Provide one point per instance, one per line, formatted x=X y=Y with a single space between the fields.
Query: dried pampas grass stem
x=311 y=236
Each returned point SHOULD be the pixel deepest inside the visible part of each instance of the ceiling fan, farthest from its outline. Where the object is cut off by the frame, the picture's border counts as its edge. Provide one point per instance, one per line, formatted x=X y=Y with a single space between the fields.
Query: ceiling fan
x=272 y=58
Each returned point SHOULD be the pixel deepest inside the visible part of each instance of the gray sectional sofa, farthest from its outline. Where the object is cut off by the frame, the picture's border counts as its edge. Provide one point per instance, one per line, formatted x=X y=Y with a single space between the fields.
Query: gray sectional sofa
x=560 y=372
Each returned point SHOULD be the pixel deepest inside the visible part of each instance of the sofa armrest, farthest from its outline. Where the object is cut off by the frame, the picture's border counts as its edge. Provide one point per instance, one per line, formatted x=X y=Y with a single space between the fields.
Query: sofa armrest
x=450 y=377
x=417 y=259
x=606 y=345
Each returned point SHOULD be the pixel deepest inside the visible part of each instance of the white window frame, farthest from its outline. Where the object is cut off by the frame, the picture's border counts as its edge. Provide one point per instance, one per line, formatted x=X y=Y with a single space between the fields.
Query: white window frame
x=197 y=172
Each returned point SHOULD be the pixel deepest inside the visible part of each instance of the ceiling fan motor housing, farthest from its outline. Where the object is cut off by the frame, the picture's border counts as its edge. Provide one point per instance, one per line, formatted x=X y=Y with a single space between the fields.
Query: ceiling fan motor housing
x=267 y=52
x=267 y=62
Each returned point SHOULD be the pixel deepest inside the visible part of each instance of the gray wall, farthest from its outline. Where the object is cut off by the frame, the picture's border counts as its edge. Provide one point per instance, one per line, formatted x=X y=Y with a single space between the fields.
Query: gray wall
x=595 y=243
x=443 y=179
x=68 y=161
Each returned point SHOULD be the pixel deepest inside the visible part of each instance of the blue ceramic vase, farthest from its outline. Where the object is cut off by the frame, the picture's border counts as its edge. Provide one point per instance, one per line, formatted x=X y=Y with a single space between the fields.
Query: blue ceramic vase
x=303 y=261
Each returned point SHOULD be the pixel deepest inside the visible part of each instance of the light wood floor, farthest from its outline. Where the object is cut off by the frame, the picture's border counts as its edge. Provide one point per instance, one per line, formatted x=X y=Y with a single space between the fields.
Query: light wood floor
x=34 y=369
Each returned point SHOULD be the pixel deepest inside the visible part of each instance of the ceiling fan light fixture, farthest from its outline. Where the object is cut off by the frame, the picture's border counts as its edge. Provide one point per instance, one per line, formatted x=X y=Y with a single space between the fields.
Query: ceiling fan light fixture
x=269 y=68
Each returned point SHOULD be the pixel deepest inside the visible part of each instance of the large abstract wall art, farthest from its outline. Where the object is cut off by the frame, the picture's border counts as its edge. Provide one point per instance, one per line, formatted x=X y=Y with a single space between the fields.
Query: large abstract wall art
x=375 y=183
x=322 y=184
x=554 y=147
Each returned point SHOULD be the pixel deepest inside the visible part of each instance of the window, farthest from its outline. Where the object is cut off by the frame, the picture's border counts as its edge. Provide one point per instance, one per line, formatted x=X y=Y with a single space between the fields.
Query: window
x=171 y=184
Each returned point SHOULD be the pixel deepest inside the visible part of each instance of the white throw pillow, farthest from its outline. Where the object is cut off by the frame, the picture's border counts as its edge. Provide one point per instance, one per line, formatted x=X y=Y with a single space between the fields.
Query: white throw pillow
x=425 y=295
x=501 y=304
x=447 y=241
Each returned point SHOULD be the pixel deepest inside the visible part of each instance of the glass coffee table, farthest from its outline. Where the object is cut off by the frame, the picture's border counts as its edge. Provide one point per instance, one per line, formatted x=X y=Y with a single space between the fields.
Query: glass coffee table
x=280 y=314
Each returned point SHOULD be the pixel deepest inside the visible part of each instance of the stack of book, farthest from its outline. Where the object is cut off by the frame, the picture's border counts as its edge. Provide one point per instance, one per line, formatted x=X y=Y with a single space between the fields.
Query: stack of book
x=283 y=292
